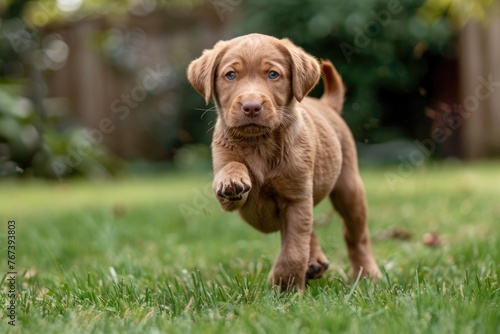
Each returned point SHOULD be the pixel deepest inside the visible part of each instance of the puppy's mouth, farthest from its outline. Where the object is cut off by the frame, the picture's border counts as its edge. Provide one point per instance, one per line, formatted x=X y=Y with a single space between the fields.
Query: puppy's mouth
x=251 y=130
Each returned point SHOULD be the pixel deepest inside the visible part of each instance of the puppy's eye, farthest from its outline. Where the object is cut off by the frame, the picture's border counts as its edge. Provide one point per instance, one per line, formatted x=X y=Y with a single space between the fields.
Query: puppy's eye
x=231 y=75
x=273 y=75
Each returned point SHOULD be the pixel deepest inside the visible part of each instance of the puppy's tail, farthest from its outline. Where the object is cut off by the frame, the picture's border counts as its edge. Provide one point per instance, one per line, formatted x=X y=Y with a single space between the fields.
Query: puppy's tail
x=334 y=87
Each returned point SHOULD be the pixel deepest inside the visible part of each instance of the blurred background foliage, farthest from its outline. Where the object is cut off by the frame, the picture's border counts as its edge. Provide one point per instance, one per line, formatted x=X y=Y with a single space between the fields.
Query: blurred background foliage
x=458 y=11
x=26 y=139
x=390 y=62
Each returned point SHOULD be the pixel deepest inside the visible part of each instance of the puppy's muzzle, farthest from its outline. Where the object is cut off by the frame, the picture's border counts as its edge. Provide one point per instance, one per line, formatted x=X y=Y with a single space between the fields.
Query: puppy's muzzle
x=252 y=108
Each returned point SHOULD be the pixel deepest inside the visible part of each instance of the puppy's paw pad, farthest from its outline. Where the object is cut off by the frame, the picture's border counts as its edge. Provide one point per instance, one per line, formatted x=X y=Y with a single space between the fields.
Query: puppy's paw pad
x=233 y=189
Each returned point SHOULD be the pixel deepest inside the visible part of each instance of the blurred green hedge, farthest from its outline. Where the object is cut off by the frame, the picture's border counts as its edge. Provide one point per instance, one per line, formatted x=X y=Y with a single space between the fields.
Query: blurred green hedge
x=26 y=150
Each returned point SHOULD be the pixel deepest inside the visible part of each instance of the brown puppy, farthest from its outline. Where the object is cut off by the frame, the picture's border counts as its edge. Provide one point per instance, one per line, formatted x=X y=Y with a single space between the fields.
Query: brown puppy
x=277 y=153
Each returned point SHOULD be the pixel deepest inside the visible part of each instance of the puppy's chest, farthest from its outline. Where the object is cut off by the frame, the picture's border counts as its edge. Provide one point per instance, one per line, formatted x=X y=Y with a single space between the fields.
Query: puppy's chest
x=277 y=186
x=267 y=174
x=274 y=186
x=261 y=169
x=268 y=164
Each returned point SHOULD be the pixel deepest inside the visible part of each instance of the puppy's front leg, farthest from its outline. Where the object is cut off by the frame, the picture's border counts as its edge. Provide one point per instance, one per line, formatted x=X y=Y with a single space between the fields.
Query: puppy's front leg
x=231 y=185
x=290 y=268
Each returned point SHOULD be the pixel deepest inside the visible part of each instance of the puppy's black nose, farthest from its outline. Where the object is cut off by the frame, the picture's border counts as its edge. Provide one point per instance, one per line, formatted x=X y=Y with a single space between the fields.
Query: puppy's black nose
x=251 y=108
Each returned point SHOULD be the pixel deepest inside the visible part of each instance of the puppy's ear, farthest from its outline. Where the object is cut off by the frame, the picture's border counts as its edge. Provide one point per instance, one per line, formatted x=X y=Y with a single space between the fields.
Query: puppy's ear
x=201 y=71
x=305 y=70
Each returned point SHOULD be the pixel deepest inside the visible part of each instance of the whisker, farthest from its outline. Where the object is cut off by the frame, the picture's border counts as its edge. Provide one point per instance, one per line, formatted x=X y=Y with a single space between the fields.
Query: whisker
x=206 y=110
x=203 y=109
x=210 y=129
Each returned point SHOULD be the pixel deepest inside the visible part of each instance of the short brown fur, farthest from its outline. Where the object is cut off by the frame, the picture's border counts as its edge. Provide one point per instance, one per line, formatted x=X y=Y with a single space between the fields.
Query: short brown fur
x=277 y=153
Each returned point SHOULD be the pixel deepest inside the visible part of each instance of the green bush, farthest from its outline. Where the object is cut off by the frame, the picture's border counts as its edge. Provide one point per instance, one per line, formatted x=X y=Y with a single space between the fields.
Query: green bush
x=27 y=150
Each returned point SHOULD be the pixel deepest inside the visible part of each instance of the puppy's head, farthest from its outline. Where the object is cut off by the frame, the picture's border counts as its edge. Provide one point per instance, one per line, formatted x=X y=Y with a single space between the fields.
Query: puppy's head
x=254 y=79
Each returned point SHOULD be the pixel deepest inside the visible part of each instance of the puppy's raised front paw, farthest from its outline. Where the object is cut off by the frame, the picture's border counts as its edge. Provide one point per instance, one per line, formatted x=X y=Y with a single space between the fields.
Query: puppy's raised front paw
x=233 y=188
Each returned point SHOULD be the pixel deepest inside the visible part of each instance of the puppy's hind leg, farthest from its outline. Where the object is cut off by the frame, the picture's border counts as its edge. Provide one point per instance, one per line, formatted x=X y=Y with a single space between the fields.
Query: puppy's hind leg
x=348 y=198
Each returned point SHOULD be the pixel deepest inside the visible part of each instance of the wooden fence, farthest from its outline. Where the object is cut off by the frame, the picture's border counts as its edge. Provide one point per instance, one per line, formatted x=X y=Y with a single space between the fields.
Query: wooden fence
x=479 y=85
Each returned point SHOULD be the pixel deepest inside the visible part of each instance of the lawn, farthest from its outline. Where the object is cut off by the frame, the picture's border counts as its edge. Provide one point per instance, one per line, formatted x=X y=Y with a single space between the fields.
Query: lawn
x=156 y=255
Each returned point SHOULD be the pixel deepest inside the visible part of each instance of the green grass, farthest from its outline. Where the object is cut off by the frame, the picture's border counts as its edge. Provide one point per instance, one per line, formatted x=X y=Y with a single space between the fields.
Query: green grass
x=156 y=255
